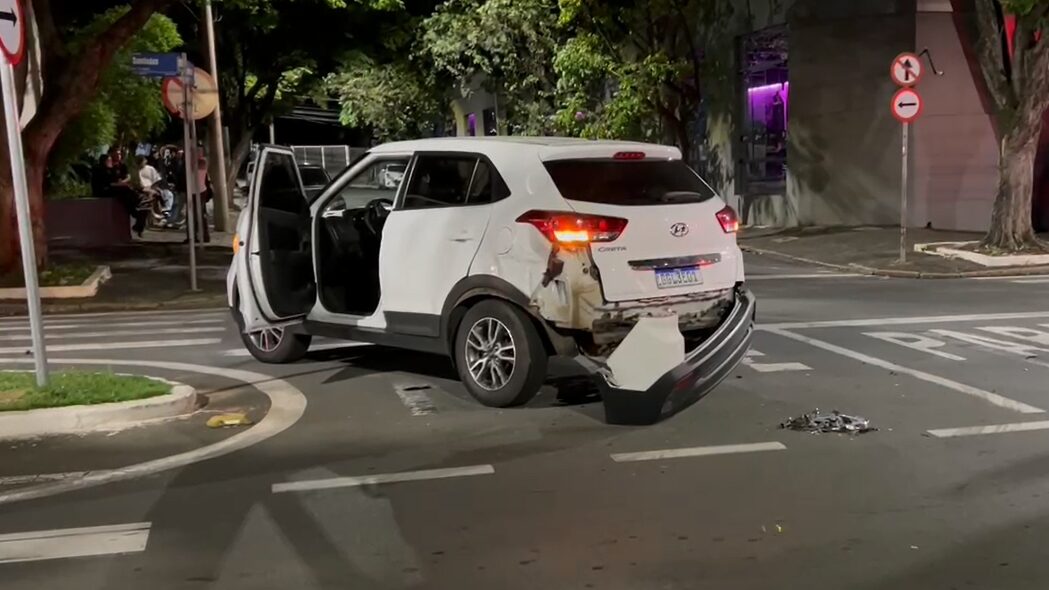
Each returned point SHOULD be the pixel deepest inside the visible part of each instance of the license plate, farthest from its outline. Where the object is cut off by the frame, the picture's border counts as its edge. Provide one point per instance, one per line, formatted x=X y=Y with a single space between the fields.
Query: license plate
x=670 y=278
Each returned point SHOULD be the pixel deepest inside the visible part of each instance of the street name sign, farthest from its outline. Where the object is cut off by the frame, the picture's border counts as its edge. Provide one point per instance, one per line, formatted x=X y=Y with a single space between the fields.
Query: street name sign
x=155 y=65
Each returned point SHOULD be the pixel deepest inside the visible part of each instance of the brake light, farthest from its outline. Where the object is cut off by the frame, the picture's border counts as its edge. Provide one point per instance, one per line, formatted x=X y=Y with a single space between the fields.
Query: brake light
x=728 y=219
x=574 y=228
x=629 y=156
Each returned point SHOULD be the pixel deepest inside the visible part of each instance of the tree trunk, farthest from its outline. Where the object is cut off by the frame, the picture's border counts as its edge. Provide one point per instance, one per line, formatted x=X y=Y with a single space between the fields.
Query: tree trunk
x=237 y=155
x=1011 y=228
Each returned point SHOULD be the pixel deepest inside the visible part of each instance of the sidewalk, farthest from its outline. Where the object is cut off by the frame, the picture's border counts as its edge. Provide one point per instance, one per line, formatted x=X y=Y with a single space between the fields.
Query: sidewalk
x=148 y=274
x=870 y=250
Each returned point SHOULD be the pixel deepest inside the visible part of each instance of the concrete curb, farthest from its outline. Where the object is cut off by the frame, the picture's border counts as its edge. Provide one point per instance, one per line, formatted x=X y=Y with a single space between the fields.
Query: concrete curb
x=902 y=274
x=89 y=288
x=101 y=417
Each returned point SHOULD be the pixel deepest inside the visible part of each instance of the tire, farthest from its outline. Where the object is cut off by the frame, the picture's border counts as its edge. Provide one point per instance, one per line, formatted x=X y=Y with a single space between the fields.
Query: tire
x=496 y=381
x=275 y=346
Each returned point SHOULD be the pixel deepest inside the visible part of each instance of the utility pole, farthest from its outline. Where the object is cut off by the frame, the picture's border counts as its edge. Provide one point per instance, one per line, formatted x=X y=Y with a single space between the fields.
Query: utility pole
x=218 y=152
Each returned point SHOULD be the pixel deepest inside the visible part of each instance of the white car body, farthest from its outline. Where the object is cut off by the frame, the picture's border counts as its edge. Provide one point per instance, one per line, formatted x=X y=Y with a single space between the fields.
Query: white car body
x=658 y=308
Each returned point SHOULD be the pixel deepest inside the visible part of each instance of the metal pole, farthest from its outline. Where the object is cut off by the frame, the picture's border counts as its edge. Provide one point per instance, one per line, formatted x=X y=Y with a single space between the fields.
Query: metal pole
x=25 y=225
x=215 y=121
x=273 y=133
x=903 y=195
x=190 y=165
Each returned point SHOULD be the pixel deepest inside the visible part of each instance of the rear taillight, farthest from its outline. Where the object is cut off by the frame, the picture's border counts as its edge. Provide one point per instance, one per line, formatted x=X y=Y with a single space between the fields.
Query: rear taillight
x=628 y=156
x=574 y=228
x=728 y=219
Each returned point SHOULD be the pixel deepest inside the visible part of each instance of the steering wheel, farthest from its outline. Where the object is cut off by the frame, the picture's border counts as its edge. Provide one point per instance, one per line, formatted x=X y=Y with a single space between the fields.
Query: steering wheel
x=374 y=213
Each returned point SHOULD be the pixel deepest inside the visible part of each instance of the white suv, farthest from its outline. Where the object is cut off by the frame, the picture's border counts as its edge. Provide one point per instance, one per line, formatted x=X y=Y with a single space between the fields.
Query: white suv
x=500 y=253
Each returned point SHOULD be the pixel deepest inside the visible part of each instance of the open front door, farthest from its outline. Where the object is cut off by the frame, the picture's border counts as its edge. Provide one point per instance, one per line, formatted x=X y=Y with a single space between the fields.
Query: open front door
x=280 y=258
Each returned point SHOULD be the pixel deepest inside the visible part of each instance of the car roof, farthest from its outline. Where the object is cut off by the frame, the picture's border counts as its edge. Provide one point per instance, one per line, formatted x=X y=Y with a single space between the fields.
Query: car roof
x=544 y=147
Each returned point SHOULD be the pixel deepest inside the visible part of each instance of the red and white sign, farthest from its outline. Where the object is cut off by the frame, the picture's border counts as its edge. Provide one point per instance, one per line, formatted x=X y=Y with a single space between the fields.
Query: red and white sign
x=12 y=30
x=907 y=105
x=205 y=94
x=906 y=69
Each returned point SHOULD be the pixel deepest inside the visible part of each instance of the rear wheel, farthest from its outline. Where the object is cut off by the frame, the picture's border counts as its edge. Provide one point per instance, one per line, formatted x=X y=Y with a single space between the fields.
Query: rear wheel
x=499 y=355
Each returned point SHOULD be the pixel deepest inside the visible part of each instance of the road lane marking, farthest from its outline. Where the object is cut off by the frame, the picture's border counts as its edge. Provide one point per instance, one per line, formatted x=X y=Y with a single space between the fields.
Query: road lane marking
x=66 y=326
x=990 y=429
x=118 y=333
x=821 y=275
x=753 y=353
x=916 y=342
x=414 y=397
x=78 y=542
x=113 y=346
x=698 y=452
x=905 y=321
x=987 y=396
x=775 y=367
x=381 y=478
x=1018 y=279
x=287 y=405
x=243 y=352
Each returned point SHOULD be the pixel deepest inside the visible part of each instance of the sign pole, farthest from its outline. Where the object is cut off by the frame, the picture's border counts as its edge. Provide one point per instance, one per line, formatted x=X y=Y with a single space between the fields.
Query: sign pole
x=190 y=161
x=25 y=225
x=903 y=195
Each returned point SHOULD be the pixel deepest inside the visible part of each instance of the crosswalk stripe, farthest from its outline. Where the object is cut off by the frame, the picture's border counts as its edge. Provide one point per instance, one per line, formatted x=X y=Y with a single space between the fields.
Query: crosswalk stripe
x=77 y=542
x=117 y=333
x=130 y=315
x=242 y=352
x=65 y=326
x=115 y=345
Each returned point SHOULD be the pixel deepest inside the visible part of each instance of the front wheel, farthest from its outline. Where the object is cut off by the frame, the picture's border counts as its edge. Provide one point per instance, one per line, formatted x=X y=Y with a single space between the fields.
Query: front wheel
x=276 y=345
x=499 y=355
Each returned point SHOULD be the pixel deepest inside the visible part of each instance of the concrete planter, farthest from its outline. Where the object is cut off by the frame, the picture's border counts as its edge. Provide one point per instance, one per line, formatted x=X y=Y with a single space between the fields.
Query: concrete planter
x=81 y=419
x=953 y=250
x=89 y=288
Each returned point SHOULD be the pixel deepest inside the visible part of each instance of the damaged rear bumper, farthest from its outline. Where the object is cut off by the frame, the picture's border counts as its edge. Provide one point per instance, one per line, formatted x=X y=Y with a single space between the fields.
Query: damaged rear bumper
x=703 y=369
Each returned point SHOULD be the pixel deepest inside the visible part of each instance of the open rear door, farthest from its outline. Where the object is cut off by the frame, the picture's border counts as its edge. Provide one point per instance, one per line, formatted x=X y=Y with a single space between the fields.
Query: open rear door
x=279 y=248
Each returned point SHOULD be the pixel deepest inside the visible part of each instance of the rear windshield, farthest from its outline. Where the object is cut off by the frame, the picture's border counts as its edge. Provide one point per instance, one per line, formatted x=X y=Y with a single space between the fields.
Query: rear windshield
x=313 y=176
x=618 y=182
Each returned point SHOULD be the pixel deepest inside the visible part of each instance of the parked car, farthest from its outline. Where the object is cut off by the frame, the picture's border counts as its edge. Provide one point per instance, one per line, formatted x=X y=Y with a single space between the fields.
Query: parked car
x=501 y=253
x=314 y=179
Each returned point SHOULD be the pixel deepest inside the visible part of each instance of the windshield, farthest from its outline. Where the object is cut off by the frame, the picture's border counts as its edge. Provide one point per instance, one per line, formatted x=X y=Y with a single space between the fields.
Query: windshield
x=618 y=182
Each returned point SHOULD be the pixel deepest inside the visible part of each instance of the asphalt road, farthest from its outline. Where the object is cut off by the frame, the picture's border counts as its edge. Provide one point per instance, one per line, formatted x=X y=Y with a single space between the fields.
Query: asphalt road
x=391 y=477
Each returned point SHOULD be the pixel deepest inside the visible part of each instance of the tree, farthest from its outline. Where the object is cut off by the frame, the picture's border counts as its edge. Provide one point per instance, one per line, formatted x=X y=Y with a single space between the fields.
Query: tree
x=635 y=69
x=73 y=71
x=1017 y=74
x=509 y=44
x=126 y=106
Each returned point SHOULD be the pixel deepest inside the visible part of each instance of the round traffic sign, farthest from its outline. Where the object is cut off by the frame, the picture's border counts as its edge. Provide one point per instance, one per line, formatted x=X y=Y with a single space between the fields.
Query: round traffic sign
x=906 y=69
x=205 y=94
x=907 y=105
x=12 y=30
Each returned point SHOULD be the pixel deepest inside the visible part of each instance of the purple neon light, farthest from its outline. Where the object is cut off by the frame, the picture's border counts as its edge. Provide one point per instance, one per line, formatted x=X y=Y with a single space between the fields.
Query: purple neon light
x=769 y=87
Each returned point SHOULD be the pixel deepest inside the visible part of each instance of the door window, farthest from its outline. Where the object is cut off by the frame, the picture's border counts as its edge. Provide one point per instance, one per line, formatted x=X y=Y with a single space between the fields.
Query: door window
x=440 y=181
x=279 y=186
x=486 y=186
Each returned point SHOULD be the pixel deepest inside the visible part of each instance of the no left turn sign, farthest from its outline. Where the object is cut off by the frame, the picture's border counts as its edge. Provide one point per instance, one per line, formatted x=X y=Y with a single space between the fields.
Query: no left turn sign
x=907 y=105
x=12 y=30
x=906 y=69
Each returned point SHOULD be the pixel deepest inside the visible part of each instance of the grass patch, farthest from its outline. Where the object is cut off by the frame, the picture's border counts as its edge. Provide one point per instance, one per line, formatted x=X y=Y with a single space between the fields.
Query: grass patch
x=18 y=390
x=56 y=275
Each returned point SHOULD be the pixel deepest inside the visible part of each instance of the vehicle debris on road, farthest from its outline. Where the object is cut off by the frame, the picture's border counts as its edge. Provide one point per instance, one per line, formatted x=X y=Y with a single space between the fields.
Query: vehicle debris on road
x=224 y=420
x=818 y=423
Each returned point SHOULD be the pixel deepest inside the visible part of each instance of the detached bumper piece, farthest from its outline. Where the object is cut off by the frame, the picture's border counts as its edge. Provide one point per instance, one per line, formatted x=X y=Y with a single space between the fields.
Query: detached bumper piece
x=702 y=370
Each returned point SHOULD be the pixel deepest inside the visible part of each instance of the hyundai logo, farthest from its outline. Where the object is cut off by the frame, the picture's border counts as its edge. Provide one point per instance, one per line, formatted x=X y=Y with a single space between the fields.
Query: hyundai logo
x=679 y=230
